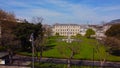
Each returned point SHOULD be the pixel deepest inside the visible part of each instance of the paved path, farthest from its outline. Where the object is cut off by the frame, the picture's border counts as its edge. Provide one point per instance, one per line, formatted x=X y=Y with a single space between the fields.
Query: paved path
x=64 y=61
x=13 y=67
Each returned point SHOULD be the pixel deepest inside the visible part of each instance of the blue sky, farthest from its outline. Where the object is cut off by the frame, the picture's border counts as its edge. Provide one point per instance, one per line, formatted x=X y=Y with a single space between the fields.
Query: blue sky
x=64 y=11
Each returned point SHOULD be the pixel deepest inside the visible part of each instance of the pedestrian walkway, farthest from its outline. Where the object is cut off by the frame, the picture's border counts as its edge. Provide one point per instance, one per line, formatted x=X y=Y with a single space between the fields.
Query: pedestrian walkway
x=13 y=67
x=21 y=63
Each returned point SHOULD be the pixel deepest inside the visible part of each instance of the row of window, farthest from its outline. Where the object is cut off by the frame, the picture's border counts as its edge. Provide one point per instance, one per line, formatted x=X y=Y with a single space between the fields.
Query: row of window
x=66 y=33
x=67 y=26
x=67 y=30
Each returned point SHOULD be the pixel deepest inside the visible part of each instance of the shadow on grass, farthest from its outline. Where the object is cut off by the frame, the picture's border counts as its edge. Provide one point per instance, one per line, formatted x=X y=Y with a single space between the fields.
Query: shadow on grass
x=49 y=47
x=48 y=65
x=115 y=52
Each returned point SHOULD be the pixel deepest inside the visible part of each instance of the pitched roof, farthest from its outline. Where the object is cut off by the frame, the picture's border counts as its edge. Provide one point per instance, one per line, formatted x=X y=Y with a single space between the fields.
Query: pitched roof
x=65 y=24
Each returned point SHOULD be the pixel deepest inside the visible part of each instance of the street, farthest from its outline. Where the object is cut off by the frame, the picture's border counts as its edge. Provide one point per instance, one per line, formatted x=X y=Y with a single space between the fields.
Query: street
x=24 y=59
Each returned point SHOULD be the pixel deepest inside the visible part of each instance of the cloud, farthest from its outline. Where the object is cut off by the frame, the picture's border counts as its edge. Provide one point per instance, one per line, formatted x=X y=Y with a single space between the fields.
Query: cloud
x=62 y=11
x=108 y=8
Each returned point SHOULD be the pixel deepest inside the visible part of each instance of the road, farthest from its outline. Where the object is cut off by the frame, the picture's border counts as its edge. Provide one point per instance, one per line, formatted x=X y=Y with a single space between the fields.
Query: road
x=13 y=67
x=64 y=61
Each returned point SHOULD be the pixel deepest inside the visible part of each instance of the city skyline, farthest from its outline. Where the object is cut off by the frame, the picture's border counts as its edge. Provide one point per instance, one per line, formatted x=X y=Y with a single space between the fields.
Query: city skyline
x=65 y=11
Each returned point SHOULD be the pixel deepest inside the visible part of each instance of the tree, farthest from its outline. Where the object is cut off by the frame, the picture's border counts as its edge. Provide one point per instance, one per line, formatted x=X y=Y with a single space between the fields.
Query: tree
x=57 y=34
x=114 y=31
x=113 y=45
x=40 y=46
x=37 y=20
x=40 y=40
x=89 y=32
x=101 y=52
x=40 y=43
x=23 y=32
x=78 y=35
x=69 y=50
x=48 y=30
x=112 y=40
x=9 y=16
x=8 y=40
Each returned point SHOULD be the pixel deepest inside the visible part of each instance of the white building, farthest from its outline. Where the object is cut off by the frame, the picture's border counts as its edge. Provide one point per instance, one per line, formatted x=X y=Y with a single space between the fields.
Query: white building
x=83 y=29
x=66 y=29
x=100 y=30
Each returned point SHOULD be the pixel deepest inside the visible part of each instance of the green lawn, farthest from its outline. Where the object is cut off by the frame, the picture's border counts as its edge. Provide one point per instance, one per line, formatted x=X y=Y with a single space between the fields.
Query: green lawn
x=85 y=52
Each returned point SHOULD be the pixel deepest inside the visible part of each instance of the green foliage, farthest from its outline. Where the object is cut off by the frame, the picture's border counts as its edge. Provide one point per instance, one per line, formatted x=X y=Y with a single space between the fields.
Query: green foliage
x=23 y=32
x=100 y=50
x=114 y=31
x=78 y=35
x=2 y=48
x=89 y=32
x=57 y=34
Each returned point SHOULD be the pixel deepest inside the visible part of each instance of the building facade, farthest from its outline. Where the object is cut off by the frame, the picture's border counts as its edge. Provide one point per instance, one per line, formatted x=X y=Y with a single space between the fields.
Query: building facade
x=66 y=29
x=100 y=30
x=83 y=29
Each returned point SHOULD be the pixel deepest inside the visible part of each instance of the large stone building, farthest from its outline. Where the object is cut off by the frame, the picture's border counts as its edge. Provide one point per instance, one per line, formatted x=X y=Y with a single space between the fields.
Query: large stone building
x=66 y=29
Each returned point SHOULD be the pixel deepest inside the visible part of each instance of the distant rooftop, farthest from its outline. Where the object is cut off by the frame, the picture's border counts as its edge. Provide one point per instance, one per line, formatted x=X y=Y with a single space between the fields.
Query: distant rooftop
x=66 y=24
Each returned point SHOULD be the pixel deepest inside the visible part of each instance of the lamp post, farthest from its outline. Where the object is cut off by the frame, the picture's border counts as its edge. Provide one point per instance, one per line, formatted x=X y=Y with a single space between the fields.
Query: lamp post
x=93 y=57
x=32 y=42
x=69 y=41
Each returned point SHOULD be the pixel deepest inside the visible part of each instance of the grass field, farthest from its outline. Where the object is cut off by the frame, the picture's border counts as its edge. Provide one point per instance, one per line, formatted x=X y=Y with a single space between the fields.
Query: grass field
x=86 y=52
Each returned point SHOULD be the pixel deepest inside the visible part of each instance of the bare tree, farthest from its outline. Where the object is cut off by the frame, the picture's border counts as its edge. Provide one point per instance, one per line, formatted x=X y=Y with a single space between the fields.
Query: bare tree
x=9 y=16
x=8 y=40
x=40 y=40
x=113 y=45
x=37 y=20
x=40 y=46
x=69 y=51
x=48 y=30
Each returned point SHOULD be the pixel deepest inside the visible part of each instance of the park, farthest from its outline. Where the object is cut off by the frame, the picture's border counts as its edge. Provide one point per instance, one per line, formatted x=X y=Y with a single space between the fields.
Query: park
x=87 y=50
x=59 y=45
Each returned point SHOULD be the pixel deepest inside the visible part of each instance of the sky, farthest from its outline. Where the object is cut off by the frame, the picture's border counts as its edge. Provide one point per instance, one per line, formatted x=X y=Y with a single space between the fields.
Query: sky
x=64 y=11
